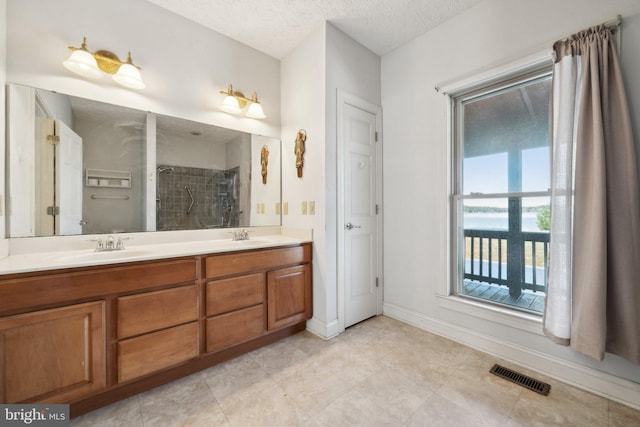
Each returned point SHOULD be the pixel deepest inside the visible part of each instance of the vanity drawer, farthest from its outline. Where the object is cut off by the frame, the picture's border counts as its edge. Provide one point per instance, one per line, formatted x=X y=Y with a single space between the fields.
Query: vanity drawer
x=232 y=294
x=152 y=352
x=234 y=328
x=152 y=311
x=50 y=288
x=245 y=262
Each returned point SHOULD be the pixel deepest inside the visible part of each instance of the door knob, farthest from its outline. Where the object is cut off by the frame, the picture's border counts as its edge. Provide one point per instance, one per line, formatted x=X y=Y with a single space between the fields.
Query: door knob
x=82 y=222
x=349 y=226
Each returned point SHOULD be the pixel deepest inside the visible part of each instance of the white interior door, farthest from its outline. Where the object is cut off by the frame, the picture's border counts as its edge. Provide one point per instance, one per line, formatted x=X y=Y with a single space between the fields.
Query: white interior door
x=45 y=192
x=68 y=180
x=360 y=225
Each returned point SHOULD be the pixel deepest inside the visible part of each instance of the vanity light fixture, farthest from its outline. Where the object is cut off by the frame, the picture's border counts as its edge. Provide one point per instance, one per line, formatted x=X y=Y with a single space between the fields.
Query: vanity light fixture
x=92 y=65
x=234 y=102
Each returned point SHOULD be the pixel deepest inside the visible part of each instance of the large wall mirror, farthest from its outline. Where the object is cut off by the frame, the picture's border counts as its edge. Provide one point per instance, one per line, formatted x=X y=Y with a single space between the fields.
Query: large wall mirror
x=78 y=166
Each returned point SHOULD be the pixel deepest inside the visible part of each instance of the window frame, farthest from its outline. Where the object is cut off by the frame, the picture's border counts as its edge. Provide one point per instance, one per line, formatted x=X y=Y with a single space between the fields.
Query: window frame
x=481 y=83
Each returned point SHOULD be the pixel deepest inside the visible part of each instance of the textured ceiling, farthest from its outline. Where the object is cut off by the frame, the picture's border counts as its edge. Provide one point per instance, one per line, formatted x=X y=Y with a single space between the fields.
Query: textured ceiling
x=275 y=27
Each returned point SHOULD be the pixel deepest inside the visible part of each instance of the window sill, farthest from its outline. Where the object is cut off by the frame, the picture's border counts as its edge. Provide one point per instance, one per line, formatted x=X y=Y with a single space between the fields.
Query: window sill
x=502 y=315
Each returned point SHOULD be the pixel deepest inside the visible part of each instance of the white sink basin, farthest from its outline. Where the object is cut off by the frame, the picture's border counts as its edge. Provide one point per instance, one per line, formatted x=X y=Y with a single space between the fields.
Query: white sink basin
x=102 y=256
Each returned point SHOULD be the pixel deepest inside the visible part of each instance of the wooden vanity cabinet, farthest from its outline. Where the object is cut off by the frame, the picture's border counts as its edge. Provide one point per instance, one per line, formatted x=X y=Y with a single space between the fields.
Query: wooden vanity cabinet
x=52 y=355
x=256 y=292
x=155 y=351
x=235 y=310
x=289 y=296
x=156 y=330
x=59 y=329
x=91 y=336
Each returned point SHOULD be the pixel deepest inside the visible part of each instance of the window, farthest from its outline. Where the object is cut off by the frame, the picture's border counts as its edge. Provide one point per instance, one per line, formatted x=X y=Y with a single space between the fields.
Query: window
x=501 y=191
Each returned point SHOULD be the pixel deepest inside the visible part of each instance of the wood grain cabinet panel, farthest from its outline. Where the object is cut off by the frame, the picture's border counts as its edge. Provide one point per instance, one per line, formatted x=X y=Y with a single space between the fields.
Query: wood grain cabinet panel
x=288 y=296
x=50 y=288
x=151 y=352
x=246 y=262
x=152 y=311
x=90 y=336
x=234 y=328
x=235 y=293
x=52 y=355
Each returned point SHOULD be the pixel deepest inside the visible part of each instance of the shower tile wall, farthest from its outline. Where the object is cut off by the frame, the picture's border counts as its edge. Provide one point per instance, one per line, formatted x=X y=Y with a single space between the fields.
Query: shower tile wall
x=215 y=196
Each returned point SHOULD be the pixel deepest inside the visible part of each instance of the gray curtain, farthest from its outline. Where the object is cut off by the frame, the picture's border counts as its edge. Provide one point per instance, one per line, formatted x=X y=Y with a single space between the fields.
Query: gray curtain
x=593 y=298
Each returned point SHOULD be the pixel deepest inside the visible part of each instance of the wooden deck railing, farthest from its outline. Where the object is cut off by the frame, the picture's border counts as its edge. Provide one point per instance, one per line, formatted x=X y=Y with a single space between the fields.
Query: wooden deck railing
x=486 y=256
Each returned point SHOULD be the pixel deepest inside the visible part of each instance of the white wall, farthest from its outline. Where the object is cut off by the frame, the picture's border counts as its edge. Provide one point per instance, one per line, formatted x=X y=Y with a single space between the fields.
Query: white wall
x=355 y=70
x=326 y=61
x=185 y=65
x=416 y=169
x=149 y=154
x=302 y=82
x=105 y=146
x=4 y=247
x=265 y=195
x=58 y=106
x=182 y=149
x=21 y=144
x=238 y=154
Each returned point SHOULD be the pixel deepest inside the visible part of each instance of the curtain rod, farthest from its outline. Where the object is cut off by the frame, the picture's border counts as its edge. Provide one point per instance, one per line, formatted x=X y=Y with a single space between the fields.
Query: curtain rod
x=612 y=23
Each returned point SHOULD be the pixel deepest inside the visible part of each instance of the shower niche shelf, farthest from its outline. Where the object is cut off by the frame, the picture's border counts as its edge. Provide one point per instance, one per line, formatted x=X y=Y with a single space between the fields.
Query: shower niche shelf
x=107 y=178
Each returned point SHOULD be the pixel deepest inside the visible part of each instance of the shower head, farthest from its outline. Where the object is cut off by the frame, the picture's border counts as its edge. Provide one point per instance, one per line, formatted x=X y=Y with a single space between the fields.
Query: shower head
x=160 y=169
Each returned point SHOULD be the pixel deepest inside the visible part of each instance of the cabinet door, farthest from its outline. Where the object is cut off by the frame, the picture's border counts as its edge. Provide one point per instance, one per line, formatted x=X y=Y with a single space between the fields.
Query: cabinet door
x=288 y=296
x=53 y=355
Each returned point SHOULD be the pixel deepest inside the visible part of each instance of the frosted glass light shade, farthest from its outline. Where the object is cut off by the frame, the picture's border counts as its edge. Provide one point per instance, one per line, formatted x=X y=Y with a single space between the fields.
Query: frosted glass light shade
x=255 y=111
x=129 y=76
x=230 y=105
x=83 y=63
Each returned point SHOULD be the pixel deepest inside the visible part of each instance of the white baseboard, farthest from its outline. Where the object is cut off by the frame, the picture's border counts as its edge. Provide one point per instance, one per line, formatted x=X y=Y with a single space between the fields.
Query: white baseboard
x=596 y=382
x=323 y=329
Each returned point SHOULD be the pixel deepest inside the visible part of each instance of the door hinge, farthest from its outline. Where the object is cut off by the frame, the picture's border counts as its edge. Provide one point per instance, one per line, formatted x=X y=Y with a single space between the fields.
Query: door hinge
x=377 y=282
x=53 y=210
x=53 y=139
x=376 y=136
x=377 y=209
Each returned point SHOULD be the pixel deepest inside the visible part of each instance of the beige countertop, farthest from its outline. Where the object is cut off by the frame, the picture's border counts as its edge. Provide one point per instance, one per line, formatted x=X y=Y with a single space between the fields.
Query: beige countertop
x=42 y=258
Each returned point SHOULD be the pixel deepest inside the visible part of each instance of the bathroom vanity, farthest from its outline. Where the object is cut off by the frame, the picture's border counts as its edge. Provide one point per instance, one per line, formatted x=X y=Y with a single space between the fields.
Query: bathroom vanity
x=94 y=334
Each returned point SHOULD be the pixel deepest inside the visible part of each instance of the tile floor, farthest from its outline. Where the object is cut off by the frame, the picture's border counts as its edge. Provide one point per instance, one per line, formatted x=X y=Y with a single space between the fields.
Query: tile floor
x=379 y=373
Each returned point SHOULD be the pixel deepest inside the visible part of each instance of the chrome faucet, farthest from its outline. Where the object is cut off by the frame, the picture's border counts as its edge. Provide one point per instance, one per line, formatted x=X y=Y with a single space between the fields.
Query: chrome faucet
x=241 y=234
x=109 y=244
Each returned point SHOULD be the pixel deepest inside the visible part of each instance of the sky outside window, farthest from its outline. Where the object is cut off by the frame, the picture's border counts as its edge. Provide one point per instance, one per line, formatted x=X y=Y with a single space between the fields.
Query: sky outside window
x=510 y=120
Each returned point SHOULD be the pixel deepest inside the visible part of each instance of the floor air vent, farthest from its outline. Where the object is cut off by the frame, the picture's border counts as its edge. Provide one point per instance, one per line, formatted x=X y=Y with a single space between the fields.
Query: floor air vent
x=523 y=380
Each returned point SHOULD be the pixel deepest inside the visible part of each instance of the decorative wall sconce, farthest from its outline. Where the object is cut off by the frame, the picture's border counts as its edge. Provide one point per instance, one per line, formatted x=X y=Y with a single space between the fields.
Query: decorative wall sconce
x=235 y=101
x=93 y=64
x=264 y=161
x=301 y=138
